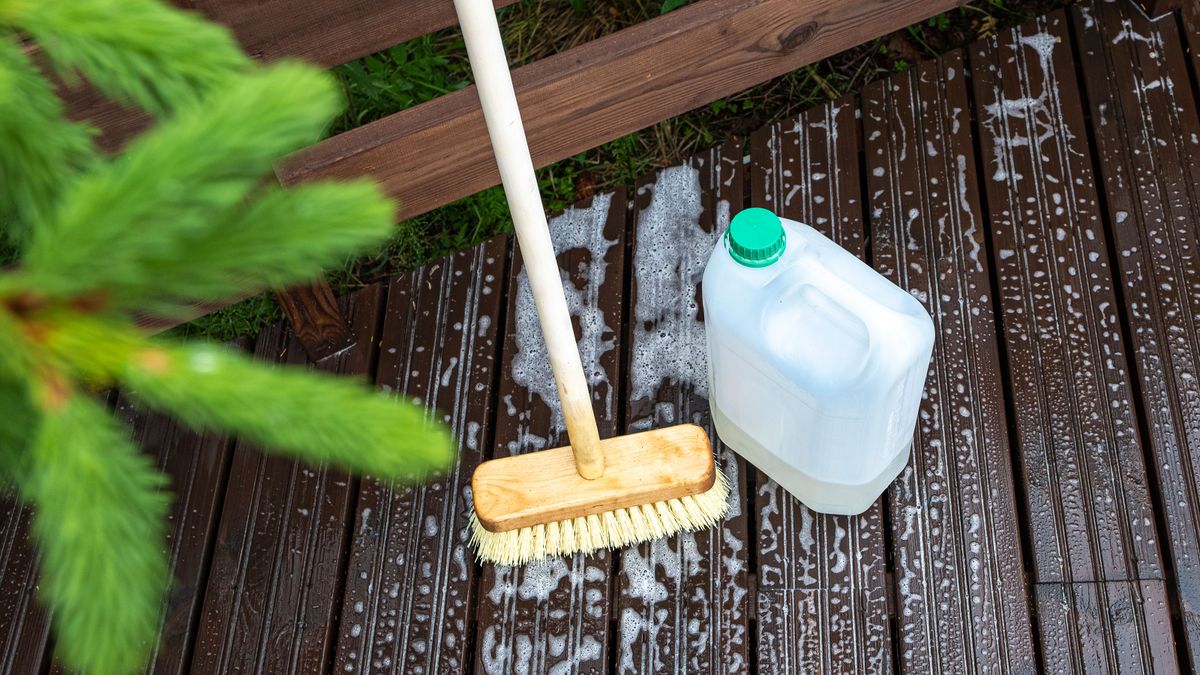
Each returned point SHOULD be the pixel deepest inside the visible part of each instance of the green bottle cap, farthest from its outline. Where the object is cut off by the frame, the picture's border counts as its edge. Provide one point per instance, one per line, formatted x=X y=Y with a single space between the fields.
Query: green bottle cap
x=755 y=238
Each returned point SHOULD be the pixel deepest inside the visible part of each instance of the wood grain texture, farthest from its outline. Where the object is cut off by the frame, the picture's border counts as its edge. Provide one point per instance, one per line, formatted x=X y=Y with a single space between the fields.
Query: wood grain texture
x=822 y=579
x=196 y=465
x=1155 y=9
x=328 y=32
x=116 y=123
x=1086 y=486
x=684 y=603
x=1082 y=459
x=1190 y=18
x=24 y=623
x=408 y=603
x=961 y=590
x=325 y=32
x=272 y=597
x=1147 y=138
x=315 y=318
x=585 y=96
x=1106 y=627
x=526 y=612
x=642 y=468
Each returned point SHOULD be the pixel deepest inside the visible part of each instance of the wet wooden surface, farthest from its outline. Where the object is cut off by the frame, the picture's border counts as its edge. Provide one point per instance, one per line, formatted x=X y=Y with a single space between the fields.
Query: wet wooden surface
x=683 y=603
x=408 y=603
x=24 y=623
x=961 y=591
x=1146 y=132
x=558 y=613
x=273 y=593
x=1046 y=215
x=822 y=580
x=1088 y=501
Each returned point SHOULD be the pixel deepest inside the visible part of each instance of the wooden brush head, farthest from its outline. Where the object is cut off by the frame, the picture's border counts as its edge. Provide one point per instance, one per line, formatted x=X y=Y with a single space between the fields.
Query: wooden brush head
x=642 y=468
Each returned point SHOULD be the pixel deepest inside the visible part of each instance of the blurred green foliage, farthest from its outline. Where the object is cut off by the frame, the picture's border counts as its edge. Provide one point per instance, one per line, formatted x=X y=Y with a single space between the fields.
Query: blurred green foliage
x=185 y=213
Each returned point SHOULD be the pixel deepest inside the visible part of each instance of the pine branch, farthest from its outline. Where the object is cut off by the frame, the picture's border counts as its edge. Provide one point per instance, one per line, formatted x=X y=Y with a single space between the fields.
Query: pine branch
x=140 y=52
x=309 y=415
x=282 y=238
x=18 y=420
x=42 y=150
x=174 y=182
x=100 y=511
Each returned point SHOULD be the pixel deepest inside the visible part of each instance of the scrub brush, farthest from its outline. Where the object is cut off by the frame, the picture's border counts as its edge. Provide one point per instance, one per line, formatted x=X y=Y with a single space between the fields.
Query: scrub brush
x=593 y=494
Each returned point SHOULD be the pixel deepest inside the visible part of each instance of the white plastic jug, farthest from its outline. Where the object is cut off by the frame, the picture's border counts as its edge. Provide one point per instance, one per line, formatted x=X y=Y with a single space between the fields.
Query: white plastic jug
x=816 y=361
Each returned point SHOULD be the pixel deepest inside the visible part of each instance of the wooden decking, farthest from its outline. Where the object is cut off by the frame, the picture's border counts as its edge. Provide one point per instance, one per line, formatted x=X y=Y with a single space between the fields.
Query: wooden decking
x=1038 y=191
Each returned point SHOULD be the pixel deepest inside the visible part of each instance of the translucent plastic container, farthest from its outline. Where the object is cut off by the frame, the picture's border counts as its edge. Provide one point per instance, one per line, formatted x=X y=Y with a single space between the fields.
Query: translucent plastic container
x=816 y=362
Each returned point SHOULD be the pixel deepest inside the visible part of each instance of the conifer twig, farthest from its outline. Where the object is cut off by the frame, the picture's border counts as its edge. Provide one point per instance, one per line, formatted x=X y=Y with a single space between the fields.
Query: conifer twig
x=99 y=518
x=139 y=52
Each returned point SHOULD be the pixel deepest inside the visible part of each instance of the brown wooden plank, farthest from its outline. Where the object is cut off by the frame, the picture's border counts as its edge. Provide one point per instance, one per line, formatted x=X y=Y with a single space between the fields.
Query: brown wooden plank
x=1075 y=424
x=684 y=603
x=1190 y=15
x=553 y=615
x=196 y=465
x=599 y=91
x=328 y=32
x=116 y=123
x=24 y=623
x=1134 y=613
x=961 y=589
x=822 y=590
x=1087 y=501
x=272 y=596
x=318 y=323
x=408 y=605
x=325 y=32
x=1147 y=136
x=1155 y=8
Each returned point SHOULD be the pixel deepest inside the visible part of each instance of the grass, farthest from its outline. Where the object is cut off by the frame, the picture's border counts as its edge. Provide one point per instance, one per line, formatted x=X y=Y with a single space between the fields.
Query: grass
x=430 y=66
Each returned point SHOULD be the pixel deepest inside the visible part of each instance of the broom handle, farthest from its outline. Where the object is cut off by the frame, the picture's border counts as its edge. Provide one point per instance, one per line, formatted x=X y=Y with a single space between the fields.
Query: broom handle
x=489 y=64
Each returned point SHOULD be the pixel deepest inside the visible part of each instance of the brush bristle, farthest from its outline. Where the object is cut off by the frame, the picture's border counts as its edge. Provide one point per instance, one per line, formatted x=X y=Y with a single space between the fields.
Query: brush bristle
x=611 y=529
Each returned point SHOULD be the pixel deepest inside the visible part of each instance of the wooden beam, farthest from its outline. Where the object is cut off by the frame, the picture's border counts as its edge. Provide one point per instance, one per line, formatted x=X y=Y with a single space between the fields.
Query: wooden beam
x=314 y=315
x=311 y=309
x=328 y=32
x=437 y=152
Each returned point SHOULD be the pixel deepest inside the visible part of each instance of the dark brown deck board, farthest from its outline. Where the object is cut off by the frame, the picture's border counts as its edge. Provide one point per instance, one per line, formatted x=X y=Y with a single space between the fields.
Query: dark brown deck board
x=554 y=615
x=196 y=465
x=1147 y=138
x=1024 y=534
x=1132 y=615
x=1086 y=486
x=822 y=589
x=683 y=602
x=271 y=600
x=328 y=32
x=409 y=598
x=961 y=593
x=24 y=623
x=1190 y=20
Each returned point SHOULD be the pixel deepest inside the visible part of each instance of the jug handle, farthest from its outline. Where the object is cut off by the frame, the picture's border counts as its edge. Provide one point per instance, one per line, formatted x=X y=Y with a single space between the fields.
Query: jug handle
x=848 y=295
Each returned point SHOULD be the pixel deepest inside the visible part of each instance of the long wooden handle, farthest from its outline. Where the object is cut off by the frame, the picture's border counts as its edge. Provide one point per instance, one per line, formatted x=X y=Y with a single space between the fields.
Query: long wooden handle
x=489 y=64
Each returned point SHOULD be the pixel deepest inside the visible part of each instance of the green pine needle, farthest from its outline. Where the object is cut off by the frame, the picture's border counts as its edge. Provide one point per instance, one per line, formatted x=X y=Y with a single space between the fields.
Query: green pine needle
x=171 y=186
x=20 y=419
x=42 y=150
x=141 y=52
x=99 y=519
x=286 y=236
x=187 y=212
x=309 y=415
